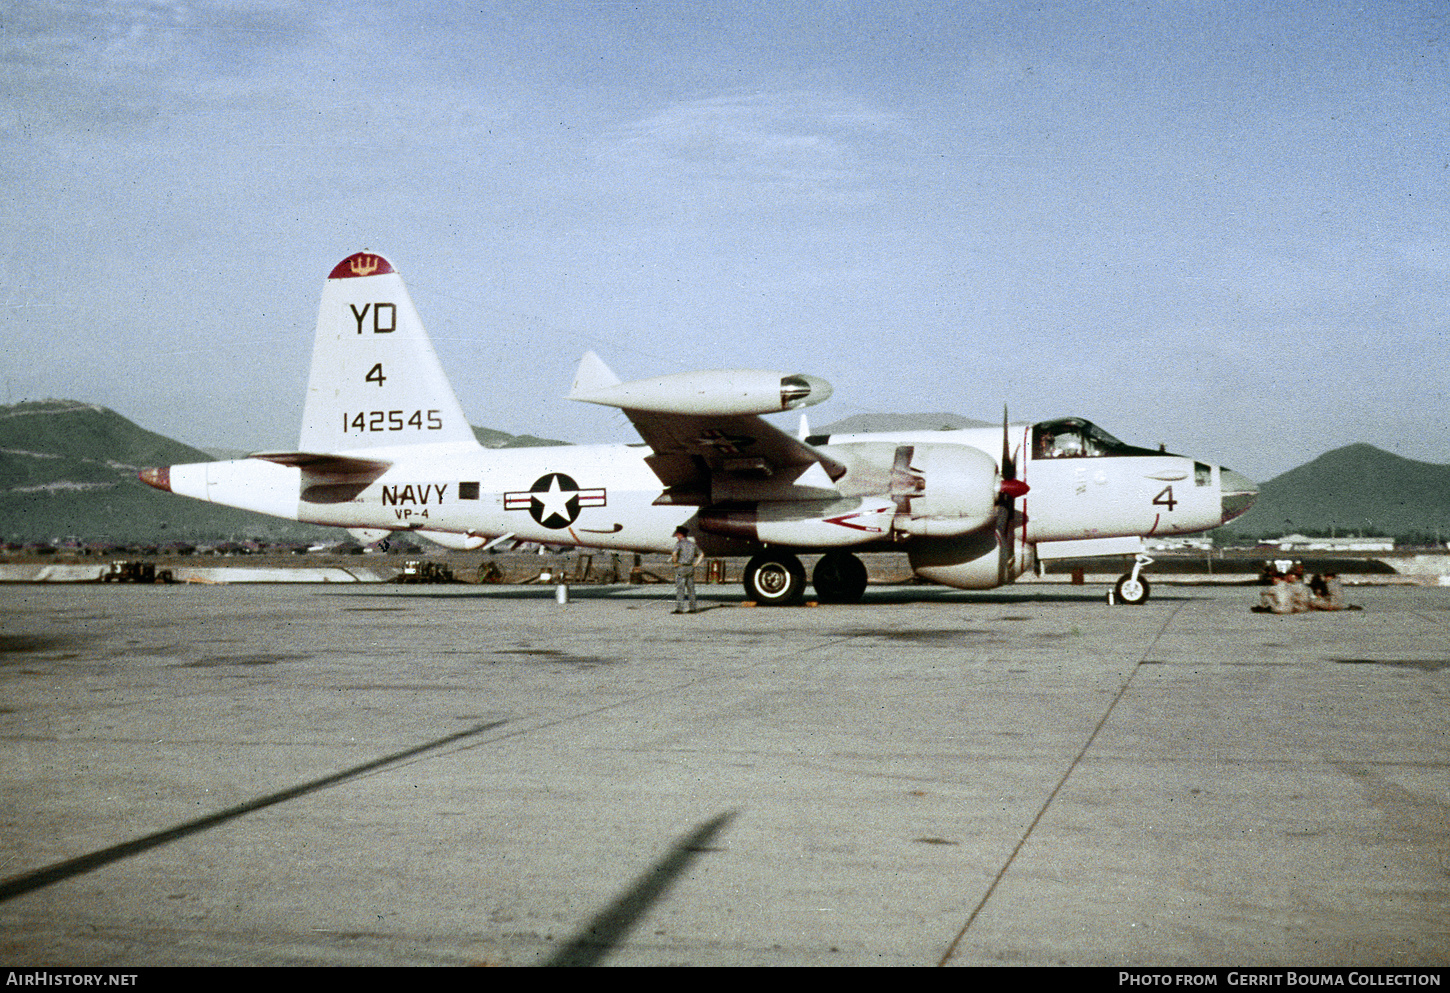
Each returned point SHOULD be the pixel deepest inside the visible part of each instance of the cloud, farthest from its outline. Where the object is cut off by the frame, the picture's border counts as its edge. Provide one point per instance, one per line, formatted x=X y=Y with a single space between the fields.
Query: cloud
x=794 y=145
x=113 y=72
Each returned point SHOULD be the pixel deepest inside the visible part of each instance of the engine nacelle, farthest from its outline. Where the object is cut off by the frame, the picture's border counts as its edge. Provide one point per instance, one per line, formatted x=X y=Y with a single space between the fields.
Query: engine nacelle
x=943 y=490
x=956 y=491
x=967 y=562
x=806 y=524
x=973 y=561
x=719 y=391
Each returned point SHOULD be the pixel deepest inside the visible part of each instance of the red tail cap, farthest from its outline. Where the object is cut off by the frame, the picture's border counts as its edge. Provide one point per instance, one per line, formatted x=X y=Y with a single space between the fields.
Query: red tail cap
x=361 y=264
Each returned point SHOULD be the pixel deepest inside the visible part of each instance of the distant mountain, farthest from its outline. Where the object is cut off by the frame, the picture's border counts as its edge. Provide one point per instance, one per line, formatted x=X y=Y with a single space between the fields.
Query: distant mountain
x=99 y=443
x=489 y=438
x=862 y=423
x=1357 y=489
x=68 y=470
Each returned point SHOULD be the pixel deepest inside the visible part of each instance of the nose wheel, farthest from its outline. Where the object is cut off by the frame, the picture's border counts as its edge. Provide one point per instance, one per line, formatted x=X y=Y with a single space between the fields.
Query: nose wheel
x=1132 y=588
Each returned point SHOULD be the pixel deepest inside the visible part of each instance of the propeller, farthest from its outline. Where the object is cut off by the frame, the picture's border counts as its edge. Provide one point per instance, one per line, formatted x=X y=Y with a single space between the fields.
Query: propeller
x=905 y=481
x=1011 y=487
x=1008 y=492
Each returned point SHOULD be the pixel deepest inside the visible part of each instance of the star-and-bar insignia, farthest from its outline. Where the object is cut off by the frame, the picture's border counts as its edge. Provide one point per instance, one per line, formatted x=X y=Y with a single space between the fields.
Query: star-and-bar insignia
x=554 y=500
x=726 y=444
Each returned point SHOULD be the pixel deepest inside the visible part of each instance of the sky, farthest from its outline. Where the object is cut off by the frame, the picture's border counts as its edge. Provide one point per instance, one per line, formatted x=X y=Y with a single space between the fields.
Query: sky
x=1219 y=226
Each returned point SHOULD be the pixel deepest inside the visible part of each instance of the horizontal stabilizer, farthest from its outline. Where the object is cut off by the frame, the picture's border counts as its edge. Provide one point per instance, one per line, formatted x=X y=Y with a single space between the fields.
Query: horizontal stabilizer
x=319 y=464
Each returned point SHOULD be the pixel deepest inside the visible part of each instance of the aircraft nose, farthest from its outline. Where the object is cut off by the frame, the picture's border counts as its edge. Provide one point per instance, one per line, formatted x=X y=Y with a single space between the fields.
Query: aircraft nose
x=1238 y=493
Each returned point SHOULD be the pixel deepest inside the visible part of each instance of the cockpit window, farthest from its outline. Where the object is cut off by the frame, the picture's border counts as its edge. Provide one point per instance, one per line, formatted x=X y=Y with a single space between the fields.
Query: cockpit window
x=1075 y=438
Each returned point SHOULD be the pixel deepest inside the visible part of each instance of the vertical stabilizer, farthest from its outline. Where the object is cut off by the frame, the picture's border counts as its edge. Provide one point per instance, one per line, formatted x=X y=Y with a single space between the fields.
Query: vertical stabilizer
x=376 y=380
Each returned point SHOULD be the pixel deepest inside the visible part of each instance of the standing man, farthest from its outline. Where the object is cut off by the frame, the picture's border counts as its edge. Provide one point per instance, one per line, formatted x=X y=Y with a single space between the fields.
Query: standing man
x=684 y=558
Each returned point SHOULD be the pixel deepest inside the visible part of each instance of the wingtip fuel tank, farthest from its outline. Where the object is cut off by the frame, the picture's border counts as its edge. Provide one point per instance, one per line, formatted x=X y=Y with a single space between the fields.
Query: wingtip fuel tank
x=721 y=392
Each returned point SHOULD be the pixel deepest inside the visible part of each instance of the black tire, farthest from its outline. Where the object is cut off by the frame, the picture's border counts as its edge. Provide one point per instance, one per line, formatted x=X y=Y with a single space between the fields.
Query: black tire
x=775 y=580
x=1130 y=590
x=839 y=577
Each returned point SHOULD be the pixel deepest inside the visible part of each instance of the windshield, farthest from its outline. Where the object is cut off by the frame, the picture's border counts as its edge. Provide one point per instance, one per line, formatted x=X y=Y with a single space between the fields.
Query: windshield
x=1075 y=438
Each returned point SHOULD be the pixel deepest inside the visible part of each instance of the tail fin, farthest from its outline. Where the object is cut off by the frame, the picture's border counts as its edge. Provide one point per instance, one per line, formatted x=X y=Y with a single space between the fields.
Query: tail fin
x=376 y=380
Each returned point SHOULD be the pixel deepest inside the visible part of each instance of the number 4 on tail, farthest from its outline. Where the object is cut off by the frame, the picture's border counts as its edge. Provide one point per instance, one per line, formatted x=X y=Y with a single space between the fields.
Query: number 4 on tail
x=375 y=375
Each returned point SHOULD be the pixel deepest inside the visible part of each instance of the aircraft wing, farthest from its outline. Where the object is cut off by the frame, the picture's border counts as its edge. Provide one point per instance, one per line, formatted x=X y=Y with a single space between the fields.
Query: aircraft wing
x=697 y=455
x=709 y=443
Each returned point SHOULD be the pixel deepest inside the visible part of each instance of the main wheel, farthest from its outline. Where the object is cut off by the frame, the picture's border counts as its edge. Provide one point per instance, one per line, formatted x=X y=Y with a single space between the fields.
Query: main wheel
x=1130 y=590
x=775 y=580
x=839 y=577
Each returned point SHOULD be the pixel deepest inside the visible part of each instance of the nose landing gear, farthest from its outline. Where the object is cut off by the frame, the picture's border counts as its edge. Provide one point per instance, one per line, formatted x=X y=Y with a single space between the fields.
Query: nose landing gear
x=1132 y=588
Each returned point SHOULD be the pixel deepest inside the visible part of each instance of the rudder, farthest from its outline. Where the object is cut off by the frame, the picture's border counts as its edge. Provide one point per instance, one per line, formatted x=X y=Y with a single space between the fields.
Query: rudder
x=376 y=380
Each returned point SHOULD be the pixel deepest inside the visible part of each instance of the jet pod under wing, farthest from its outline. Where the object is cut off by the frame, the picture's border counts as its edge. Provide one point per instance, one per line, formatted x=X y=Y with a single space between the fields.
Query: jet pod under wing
x=713 y=392
x=709 y=445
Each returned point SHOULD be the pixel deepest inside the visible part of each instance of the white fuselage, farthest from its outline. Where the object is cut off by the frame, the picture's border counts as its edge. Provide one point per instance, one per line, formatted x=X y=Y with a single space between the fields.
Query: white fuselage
x=604 y=496
x=593 y=495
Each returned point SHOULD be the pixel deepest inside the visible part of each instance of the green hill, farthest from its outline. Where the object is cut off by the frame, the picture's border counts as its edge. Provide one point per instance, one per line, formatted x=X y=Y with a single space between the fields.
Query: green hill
x=68 y=470
x=1358 y=489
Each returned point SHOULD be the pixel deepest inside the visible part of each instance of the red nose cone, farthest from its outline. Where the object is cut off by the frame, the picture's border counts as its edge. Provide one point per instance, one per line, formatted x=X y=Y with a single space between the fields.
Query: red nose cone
x=159 y=478
x=1014 y=488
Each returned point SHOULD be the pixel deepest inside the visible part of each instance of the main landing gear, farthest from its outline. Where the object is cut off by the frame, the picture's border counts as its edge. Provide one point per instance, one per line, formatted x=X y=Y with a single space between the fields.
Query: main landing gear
x=840 y=577
x=777 y=579
x=1133 y=587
